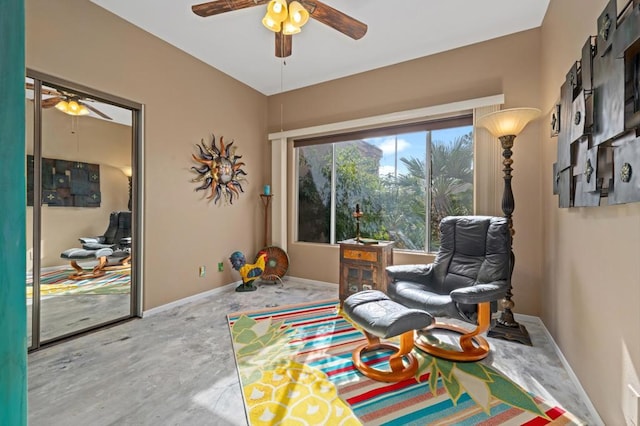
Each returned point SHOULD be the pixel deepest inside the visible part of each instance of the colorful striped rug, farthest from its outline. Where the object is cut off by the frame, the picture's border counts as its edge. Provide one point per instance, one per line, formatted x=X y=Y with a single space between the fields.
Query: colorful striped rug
x=295 y=368
x=56 y=282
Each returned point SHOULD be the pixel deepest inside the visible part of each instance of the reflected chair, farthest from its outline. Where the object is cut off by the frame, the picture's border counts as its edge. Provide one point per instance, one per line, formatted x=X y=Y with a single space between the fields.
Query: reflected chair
x=468 y=276
x=112 y=250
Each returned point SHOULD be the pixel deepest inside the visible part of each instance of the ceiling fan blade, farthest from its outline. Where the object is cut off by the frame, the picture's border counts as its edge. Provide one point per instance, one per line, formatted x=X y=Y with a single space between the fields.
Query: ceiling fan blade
x=97 y=111
x=29 y=86
x=49 y=102
x=221 y=6
x=337 y=20
x=283 y=45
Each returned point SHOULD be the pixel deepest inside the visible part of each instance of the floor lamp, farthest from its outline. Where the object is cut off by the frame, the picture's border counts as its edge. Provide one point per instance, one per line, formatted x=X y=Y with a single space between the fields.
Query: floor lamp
x=506 y=125
x=128 y=173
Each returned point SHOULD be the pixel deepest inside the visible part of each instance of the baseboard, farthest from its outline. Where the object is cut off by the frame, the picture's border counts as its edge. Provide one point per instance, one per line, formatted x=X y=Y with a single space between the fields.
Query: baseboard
x=565 y=363
x=195 y=297
x=188 y=299
x=314 y=282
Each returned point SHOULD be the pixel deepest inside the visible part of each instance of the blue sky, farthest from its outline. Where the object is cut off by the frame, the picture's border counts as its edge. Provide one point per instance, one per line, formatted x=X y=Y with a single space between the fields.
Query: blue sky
x=411 y=145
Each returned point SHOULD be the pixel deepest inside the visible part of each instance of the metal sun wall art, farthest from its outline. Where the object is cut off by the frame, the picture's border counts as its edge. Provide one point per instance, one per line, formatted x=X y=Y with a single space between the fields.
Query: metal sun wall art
x=597 y=120
x=220 y=170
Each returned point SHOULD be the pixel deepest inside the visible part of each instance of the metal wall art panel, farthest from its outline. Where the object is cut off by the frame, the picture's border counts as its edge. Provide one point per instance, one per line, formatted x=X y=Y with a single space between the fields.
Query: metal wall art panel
x=599 y=115
x=565 y=189
x=626 y=176
x=583 y=172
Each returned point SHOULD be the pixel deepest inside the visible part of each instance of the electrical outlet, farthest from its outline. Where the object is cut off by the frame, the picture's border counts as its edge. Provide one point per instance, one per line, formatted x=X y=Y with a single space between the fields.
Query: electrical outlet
x=202 y=271
x=220 y=267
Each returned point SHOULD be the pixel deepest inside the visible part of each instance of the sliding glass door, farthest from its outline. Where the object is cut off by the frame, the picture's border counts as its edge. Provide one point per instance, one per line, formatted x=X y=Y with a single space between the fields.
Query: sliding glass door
x=82 y=228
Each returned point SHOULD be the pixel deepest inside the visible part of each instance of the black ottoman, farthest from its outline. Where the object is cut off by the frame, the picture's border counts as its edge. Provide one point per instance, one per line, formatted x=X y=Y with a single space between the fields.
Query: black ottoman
x=381 y=317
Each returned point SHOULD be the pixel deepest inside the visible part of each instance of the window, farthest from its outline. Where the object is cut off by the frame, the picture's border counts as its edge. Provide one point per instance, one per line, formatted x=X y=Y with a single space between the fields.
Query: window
x=405 y=179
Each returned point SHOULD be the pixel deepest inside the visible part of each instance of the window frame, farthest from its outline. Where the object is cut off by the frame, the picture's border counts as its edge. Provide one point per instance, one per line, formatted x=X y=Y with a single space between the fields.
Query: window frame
x=282 y=165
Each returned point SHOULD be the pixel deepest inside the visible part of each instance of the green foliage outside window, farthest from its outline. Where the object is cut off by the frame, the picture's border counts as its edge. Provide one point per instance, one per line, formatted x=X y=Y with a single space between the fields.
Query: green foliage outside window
x=394 y=205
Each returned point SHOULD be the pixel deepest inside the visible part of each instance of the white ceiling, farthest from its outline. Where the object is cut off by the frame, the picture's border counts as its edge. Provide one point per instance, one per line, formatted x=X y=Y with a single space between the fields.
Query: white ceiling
x=237 y=44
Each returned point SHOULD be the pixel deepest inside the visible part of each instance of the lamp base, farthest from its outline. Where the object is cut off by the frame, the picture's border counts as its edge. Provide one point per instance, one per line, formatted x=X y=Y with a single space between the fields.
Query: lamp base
x=515 y=332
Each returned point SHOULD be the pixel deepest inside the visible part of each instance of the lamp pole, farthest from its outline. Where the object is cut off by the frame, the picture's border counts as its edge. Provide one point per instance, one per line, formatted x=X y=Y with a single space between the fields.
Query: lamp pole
x=506 y=327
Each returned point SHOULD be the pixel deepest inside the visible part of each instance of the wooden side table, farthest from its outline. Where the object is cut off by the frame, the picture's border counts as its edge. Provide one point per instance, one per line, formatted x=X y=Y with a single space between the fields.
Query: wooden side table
x=362 y=266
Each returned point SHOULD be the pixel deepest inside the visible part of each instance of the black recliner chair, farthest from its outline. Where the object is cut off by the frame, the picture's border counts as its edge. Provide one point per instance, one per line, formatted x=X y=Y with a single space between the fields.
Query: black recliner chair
x=112 y=249
x=469 y=275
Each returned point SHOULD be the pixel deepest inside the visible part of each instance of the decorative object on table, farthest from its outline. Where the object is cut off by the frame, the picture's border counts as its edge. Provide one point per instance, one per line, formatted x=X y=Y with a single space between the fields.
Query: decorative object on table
x=598 y=140
x=357 y=214
x=220 y=170
x=248 y=272
x=362 y=266
x=286 y=18
x=299 y=351
x=506 y=125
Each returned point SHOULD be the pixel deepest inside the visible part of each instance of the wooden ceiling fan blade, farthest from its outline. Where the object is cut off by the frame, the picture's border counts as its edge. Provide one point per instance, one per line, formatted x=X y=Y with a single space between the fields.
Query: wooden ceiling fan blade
x=337 y=20
x=50 y=102
x=283 y=45
x=221 y=6
x=29 y=86
x=97 y=111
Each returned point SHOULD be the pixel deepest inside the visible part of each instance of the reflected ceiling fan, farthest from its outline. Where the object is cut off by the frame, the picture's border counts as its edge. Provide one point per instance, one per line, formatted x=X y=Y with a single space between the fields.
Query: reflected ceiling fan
x=68 y=102
x=285 y=17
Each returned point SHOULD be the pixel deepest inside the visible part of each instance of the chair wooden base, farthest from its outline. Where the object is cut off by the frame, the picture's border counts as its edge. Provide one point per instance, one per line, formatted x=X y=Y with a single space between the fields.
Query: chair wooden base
x=398 y=371
x=473 y=347
x=98 y=270
x=83 y=274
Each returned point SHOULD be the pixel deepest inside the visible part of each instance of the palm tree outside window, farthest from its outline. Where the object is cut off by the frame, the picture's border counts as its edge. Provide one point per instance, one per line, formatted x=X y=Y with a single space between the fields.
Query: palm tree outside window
x=405 y=179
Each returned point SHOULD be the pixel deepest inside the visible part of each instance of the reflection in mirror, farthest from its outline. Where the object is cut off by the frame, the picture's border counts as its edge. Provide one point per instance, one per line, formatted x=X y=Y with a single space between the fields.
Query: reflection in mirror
x=29 y=202
x=84 y=211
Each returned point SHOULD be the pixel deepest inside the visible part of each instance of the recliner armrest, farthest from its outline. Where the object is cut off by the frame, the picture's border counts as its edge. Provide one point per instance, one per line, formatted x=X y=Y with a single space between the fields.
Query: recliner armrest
x=480 y=293
x=92 y=240
x=96 y=246
x=419 y=273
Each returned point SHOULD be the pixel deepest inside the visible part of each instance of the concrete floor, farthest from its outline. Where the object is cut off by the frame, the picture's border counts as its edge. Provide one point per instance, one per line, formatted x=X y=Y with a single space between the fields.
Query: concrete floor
x=176 y=367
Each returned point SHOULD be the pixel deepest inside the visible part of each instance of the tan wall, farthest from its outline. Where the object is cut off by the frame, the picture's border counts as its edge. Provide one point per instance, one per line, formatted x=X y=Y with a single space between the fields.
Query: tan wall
x=508 y=65
x=185 y=100
x=591 y=285
x=92 y=141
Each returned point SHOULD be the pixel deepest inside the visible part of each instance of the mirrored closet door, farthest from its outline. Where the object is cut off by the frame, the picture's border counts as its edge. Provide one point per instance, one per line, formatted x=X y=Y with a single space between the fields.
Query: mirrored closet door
x=82 y=235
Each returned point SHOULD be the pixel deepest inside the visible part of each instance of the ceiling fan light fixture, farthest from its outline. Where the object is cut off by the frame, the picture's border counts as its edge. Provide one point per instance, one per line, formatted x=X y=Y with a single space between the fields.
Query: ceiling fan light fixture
x=62 y=106
x=270 y=23
x=289 y=27
x=278 y=10
x=72 y=108
x=298 y=14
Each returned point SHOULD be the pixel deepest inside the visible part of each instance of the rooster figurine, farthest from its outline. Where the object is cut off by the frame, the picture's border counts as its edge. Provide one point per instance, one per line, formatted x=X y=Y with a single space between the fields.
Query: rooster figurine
x=249 y=272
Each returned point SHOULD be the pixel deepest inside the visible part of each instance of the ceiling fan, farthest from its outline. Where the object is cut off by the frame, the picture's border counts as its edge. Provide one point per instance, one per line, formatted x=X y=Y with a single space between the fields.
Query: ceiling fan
x=337 y=20
x=68 y=102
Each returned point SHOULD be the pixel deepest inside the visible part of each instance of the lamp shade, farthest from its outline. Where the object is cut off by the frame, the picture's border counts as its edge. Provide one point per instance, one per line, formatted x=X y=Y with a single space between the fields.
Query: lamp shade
x=508 y=121
x=127 y=171
x=271 y=23
x=298 y=14
x=277 y=9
